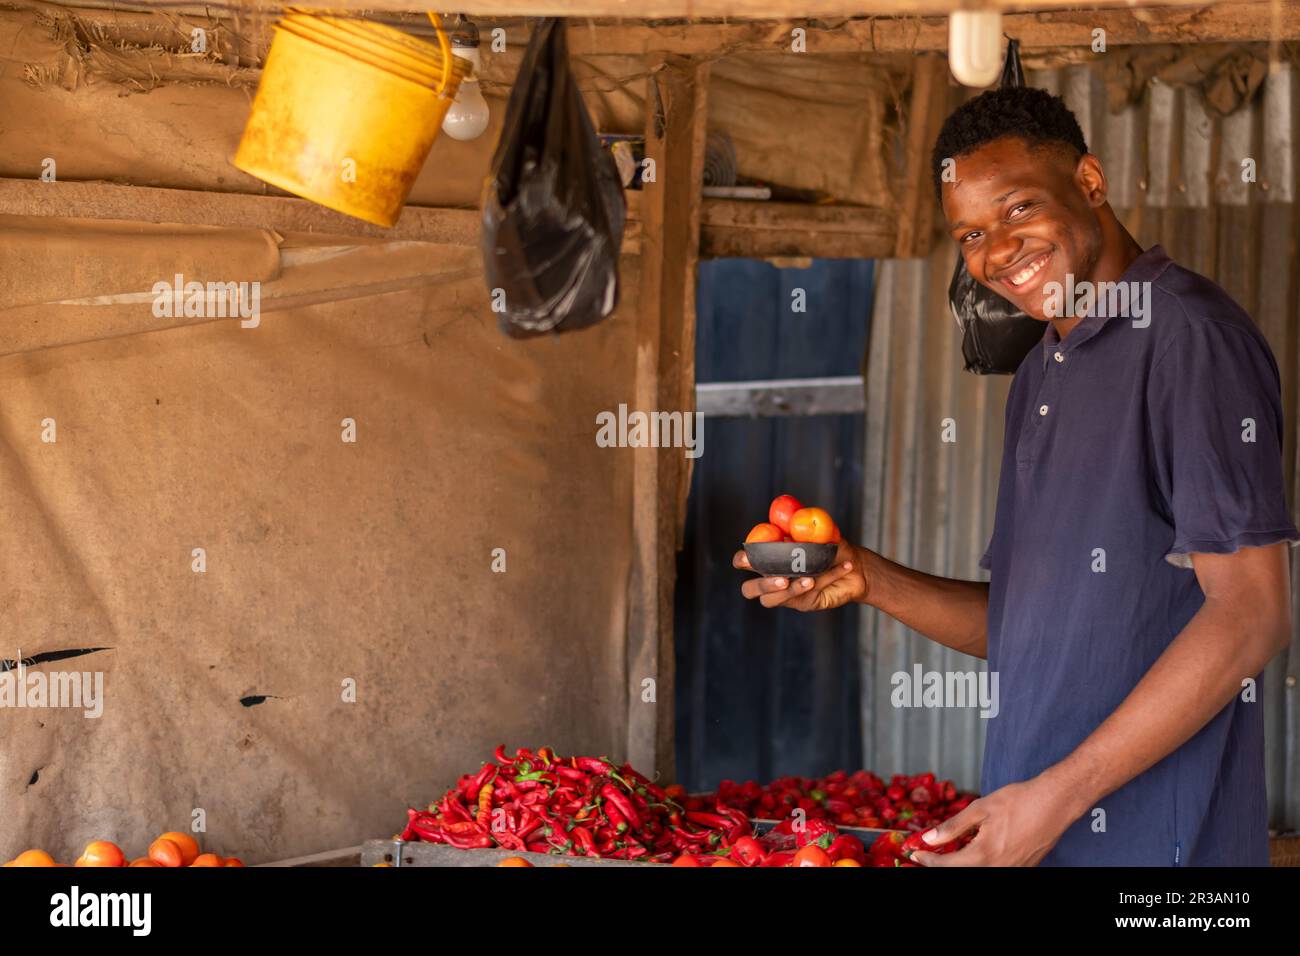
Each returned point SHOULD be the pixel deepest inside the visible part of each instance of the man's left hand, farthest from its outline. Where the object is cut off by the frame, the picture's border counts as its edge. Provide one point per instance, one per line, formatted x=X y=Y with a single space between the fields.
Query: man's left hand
x=1018 y=825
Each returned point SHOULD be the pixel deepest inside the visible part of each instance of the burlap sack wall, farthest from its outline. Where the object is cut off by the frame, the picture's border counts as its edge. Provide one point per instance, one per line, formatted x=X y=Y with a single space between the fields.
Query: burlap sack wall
x=325 y=560
x=105 y=99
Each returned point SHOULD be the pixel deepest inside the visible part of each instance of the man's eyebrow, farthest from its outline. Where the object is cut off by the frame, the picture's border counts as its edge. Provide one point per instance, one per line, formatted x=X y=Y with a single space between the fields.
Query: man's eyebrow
x=998 y=200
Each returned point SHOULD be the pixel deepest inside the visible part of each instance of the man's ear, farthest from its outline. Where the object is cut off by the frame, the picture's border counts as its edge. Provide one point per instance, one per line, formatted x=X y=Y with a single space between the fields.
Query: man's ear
x=1091 y=180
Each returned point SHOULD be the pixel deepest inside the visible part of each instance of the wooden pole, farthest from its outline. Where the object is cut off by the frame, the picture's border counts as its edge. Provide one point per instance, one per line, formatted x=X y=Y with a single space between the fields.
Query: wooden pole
x=676 y=113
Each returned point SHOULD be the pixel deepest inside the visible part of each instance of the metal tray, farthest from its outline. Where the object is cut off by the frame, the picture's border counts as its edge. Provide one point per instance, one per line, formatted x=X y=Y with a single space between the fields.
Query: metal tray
x=398 y=853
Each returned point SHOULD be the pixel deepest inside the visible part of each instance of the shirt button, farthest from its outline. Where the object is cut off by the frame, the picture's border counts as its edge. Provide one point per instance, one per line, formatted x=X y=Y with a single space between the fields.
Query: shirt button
x=1042 y=409
x=1059 y=357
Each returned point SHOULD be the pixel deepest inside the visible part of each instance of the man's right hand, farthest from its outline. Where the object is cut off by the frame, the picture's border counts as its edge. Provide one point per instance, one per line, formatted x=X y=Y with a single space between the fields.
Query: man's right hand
x=846 y=581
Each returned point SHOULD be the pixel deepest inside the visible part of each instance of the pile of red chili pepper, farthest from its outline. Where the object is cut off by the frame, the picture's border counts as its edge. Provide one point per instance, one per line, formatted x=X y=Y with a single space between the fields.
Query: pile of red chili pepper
x=859 y=799
x=896 y=848
x=577 y=806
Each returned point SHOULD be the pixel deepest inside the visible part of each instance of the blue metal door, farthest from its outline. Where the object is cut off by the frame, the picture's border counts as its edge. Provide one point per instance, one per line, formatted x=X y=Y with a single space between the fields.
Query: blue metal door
x=762 y=694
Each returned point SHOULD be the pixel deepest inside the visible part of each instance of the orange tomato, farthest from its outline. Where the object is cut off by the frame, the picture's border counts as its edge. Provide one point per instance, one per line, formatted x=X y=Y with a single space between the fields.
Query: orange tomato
x=781 y=510
x=188 y=846
x=812 y=526
x=763 y=532
x=33 y=858
x=846 y=862
x=723 y=861
x=144 y=861
x=206 y=859
x=812 y=855
x=165 y=853
x=102 y=853
x=233 y=861
x=383 y=864
x=686 y=860
x=514 y=861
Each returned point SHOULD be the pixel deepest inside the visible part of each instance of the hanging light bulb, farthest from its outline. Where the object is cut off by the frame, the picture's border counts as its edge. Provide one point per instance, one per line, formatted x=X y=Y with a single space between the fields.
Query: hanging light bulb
x=468 y=116
x=975 y=46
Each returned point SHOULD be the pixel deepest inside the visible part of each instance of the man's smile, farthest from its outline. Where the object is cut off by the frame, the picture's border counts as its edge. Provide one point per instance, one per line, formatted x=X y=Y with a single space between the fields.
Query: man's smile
x=1025 y=274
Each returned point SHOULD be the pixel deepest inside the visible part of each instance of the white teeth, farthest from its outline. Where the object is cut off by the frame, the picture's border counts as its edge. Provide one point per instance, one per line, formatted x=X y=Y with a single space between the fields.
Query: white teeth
x=1023 y=275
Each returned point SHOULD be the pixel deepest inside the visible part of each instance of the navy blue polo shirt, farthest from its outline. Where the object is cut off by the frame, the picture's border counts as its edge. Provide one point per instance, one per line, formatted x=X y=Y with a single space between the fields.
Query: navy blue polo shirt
x=1130 y=445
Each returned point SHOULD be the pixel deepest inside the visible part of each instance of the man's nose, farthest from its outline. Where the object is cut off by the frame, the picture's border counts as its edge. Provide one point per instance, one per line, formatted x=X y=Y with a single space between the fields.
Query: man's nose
x=1003 y=248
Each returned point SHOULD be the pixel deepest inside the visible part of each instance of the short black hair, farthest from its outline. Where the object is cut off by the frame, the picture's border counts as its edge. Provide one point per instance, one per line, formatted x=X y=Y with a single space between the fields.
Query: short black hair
x=1026 y=112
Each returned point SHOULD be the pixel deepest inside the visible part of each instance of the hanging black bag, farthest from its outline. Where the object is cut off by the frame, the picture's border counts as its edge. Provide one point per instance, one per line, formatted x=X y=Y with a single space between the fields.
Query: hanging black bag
x=995 y=335
x=554 y=210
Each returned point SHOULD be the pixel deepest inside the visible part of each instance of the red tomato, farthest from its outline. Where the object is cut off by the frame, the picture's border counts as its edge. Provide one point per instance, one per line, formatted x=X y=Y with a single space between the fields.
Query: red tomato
x=812 y=855
x=101 y=853
x=686 y=860
x=763 y=532
x=811 y=525
x=723 y=861
x=781 y=510
x=748 y=851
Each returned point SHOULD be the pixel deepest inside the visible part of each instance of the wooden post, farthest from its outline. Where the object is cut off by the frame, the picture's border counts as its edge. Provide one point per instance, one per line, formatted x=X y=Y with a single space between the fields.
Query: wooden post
x=927 y=107
x=676 y=114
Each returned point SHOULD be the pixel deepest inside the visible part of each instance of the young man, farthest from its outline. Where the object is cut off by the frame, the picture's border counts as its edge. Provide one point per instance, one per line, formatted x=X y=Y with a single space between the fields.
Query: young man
x=1139 y=566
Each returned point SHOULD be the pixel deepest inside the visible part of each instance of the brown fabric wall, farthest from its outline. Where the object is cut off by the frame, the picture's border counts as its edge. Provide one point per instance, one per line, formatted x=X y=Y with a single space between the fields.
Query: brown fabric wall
x=325 y=560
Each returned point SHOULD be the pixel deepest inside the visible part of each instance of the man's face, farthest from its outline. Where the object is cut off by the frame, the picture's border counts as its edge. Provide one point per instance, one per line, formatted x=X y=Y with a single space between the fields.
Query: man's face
x=1024 y=217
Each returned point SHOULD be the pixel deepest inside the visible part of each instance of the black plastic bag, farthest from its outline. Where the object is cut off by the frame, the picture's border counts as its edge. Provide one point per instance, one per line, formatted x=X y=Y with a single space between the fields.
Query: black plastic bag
x=995 y=335
x=554 y=210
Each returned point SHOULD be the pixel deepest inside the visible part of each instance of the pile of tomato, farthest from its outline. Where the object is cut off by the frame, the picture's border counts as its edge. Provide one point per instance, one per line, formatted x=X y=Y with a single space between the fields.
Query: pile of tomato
x=789 y=520
x=858 y=799
x=173 y=849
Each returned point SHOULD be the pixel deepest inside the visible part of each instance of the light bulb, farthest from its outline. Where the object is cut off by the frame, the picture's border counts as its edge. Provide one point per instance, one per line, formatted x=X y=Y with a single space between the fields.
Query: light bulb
x=975 y=46
x=468 y=116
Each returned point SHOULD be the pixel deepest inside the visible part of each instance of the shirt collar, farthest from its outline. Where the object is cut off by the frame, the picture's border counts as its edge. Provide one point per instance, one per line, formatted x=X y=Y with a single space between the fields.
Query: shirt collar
x=1145 y=268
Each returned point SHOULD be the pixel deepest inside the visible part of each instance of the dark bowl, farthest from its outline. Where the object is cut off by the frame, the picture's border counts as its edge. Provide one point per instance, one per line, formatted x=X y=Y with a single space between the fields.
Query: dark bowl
x=777 y=558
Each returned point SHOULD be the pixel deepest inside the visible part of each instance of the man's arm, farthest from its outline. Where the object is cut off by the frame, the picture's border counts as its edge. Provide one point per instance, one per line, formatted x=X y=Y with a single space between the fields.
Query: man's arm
x=1244 y=622
x=950 y=612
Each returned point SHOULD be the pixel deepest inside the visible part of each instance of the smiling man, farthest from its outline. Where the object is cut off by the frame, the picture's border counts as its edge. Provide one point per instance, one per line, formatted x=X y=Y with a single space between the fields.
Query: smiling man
x=1139 y=577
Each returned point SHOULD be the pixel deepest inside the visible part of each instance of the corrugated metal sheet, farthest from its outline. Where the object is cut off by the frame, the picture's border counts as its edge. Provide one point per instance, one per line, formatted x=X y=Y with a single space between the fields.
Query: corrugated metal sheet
x=1175 y=176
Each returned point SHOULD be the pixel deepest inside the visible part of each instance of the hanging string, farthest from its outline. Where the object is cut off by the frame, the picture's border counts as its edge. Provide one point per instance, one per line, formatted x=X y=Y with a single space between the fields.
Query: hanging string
x=445 y=47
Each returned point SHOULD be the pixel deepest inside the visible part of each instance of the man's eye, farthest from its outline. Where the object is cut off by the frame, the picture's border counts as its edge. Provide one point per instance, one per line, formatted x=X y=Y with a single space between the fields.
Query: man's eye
x=1017 y=209
x=969 y=236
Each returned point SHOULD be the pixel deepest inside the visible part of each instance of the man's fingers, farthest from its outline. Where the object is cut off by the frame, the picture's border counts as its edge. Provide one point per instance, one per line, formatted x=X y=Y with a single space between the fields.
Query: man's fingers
x=779 y=596
x=955 y=826
x=741 y=560
x=827 y=578
x=969 y=855
x=757 y=587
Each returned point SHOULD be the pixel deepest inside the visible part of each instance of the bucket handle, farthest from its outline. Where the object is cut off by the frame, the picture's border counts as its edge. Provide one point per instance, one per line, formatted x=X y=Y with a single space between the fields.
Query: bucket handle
x=445 y=47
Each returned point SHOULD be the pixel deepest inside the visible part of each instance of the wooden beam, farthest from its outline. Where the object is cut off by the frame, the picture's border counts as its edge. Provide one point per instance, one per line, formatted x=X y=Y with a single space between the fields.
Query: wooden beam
x=707 y=9
x=1233 y=22
x=96 y=200
x=1239 y=21
x=927 y=106
x=764 y=230
x=676 y=118
x=726 y=227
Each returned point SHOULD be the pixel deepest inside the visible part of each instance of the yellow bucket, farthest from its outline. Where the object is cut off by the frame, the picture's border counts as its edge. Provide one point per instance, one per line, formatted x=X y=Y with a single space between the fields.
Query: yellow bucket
x=346 y=128
x=371 y=45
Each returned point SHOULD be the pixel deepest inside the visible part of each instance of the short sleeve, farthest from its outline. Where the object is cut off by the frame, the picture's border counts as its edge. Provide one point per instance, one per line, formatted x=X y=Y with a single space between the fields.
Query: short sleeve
x=1215 y=418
